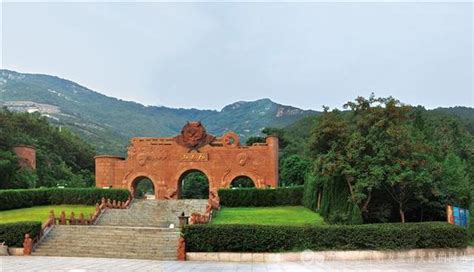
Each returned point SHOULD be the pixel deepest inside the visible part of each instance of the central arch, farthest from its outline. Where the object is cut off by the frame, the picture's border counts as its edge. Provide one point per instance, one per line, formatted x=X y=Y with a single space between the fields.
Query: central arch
x=193 y=184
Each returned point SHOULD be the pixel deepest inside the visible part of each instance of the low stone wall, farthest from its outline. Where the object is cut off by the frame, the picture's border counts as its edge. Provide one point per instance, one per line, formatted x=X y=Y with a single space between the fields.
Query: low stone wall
x=320 y=256
x=15 y=251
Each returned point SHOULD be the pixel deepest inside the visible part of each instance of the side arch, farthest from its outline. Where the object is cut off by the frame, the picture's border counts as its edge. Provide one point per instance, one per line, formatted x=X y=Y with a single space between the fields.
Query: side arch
x=134 y=178
x=256 y=180
x=242 y=181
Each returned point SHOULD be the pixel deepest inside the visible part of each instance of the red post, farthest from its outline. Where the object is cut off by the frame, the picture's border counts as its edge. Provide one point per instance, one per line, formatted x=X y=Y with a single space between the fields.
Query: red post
x=27 y=245
x=72 y=220
x=181 y=249
x=62 y=219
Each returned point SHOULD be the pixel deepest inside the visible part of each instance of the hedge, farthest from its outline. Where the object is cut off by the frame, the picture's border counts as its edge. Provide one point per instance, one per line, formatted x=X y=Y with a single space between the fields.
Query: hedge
x=263 y=238
x=13 y=233
x=253 y=197
x=23 y=198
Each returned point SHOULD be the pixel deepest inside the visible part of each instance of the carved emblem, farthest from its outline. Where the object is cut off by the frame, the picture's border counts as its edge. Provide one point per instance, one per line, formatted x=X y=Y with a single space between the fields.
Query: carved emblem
x=242 y=159
x=159 y=154
x=194 y=136
x=230 y=139
x=142 y=158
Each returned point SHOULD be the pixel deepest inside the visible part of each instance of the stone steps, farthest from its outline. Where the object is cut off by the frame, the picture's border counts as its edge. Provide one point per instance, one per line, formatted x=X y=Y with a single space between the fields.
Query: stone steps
x=110 y=242
x=152 y=213
x=139 y=232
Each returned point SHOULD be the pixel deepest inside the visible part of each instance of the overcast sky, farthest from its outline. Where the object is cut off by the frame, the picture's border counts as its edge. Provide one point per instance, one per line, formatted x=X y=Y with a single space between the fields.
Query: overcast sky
x=207 y=55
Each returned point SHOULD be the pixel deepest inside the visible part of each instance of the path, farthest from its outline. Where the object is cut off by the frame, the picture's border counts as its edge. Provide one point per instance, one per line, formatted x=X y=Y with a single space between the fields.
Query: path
x=36 y=263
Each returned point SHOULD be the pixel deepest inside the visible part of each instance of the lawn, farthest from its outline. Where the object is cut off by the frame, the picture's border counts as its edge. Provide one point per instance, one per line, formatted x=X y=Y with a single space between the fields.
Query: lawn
x=287 y=215
x=41 y=213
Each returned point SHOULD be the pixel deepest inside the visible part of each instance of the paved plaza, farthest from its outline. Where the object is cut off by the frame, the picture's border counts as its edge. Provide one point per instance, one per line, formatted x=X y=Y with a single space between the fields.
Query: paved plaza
x=36 y=263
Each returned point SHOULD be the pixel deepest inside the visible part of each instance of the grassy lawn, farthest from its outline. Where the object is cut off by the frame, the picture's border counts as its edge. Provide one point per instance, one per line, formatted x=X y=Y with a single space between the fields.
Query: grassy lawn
x=288 y=215
x=41 y=213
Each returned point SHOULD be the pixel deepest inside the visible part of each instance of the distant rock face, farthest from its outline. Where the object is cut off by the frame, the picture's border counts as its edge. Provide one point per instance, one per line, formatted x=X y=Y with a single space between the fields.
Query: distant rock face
x=108 y=123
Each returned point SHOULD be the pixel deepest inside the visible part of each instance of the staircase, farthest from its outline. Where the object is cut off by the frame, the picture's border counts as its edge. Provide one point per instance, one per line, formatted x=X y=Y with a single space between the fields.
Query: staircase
x=110 y=242
x=152 y=213
x=140 y=232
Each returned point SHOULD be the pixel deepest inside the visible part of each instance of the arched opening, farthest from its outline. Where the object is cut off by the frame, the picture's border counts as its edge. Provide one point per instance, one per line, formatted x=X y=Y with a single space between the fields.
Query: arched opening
x=193 y=184
x=242 y=182
x=143 y=188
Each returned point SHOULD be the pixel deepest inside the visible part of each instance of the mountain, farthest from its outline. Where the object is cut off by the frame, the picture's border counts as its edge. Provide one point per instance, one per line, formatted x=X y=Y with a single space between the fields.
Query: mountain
x=466 y=115
x=108 y=123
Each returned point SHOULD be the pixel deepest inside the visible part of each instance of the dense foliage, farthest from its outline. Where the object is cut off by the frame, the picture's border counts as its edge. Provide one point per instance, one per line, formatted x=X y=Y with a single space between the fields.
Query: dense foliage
x=386 y=161
x=13 y=233
x=293 y=170
x=144 y=186
x=242 y=182
x=62 y=158
x=195 y=186
x=253 y=197
x=262 y=238
x=23 y=198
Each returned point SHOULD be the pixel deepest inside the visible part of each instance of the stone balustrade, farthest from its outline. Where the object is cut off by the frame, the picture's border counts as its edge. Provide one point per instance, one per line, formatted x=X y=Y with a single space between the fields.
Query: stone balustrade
x=212 y=205
x=28 y=243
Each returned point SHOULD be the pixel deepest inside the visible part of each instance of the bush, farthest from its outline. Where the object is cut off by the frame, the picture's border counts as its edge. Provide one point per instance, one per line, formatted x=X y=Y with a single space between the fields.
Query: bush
x=253 y=197
x=13 y=233
x=23 y=198
x=261 y=238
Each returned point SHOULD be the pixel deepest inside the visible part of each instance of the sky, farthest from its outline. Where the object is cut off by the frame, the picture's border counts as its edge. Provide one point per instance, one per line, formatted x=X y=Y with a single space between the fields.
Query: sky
x=210 y=54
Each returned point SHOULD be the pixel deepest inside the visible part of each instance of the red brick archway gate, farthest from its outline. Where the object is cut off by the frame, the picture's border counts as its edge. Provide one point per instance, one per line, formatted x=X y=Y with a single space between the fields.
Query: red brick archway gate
x=165 y=160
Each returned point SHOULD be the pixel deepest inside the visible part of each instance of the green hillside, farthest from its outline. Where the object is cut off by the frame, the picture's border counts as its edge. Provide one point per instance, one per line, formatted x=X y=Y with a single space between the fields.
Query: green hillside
x=62 y=158
x=108 y=123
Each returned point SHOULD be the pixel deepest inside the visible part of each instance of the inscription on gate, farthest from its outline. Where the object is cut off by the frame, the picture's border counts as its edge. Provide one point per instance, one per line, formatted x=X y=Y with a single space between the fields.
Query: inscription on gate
x=194 y=157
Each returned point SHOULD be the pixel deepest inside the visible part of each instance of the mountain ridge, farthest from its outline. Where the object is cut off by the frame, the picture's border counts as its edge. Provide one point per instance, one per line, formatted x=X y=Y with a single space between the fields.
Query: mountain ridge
x=109 y=122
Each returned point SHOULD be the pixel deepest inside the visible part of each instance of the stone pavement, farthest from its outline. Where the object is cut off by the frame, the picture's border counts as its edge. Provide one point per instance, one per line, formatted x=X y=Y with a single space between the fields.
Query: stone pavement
x=37 y=263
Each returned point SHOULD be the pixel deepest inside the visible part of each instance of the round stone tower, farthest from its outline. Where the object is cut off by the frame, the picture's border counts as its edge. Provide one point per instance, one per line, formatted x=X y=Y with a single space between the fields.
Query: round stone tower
x=26 y=156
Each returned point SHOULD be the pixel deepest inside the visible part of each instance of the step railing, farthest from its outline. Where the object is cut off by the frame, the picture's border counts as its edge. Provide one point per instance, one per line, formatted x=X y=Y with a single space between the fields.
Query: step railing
x=213 y=205
x=29 y=244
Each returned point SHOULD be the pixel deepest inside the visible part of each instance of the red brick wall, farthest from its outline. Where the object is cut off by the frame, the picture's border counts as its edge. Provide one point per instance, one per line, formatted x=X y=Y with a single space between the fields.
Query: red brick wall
x=164 y=161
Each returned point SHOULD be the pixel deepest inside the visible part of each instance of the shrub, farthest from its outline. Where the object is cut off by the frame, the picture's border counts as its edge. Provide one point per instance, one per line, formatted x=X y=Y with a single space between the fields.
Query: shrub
x=13 y=233
x=23 y=198
x=253 y=197
x=261 y=238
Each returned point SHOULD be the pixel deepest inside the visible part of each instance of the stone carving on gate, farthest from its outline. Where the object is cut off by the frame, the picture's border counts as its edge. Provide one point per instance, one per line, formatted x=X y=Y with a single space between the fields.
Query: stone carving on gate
x=162 y=160
x=194 y=136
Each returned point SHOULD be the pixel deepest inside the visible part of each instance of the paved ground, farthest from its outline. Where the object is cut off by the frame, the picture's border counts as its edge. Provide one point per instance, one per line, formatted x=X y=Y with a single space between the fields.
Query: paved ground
x=37 y=263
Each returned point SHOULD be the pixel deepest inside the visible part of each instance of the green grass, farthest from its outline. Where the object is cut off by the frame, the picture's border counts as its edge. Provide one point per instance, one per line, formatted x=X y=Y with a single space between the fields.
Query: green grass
x=41 y=213
x=287 y=215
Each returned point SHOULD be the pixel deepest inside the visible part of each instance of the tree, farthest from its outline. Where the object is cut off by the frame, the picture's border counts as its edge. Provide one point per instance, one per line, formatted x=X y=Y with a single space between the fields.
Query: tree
x=195 y=186
x=8 y=167
x=373 y=147
x=455 y=181
x=254 y=139
x=293 y=170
